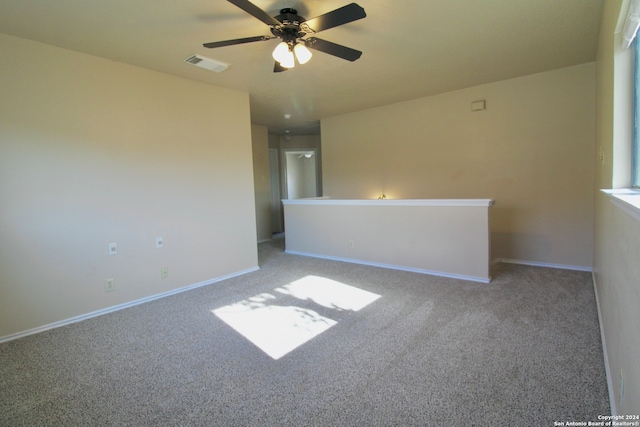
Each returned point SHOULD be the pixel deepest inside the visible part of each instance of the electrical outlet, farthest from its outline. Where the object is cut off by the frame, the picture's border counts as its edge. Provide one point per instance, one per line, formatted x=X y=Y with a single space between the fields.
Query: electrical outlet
x=113 y=248
x=164 y=272
x=159 y=242
x=109 y=285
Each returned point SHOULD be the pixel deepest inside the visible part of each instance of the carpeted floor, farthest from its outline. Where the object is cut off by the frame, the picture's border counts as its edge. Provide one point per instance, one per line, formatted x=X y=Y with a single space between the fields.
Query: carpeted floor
x=523 y=350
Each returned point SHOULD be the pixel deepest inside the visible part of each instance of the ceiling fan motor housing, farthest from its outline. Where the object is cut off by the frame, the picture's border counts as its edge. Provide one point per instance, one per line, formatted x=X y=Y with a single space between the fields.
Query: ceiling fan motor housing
x=290 y=30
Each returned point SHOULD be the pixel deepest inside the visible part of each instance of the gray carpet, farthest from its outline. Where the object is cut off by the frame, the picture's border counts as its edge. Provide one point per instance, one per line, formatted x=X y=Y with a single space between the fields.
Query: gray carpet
x=523 y=350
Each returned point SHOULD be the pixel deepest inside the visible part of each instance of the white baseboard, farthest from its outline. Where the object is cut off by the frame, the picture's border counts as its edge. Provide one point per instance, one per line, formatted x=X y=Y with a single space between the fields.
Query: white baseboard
x=542 y=264
x=122 y=306
x=612 y=402
x=393 y=267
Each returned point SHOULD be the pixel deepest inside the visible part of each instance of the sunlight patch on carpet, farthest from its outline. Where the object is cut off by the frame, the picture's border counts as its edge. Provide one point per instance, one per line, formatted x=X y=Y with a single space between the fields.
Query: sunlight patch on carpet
x=274 y=325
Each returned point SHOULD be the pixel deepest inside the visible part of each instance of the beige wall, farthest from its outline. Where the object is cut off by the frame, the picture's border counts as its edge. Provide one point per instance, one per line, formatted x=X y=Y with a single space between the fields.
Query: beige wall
x=92 y=152
x=531 y=150
x=617 y=235
x=455 y=234
x=262 y=188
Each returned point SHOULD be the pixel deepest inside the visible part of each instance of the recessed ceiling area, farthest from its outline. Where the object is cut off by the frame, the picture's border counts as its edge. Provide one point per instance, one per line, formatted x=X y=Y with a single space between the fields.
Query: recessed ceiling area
x=411 y=48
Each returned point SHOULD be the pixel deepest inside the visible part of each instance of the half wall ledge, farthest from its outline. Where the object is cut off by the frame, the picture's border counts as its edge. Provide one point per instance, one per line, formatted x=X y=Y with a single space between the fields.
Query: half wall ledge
x=444 y=237
x=389 y=202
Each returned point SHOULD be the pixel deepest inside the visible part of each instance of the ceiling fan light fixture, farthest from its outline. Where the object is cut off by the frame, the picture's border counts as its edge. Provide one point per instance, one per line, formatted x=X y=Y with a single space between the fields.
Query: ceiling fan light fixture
x=288 y=60
x=280 y=51
x=302 y=53
x=283 y=54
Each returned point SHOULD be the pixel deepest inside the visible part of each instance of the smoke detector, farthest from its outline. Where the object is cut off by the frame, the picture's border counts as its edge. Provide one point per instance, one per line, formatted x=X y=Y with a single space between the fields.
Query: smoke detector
x=206 y=63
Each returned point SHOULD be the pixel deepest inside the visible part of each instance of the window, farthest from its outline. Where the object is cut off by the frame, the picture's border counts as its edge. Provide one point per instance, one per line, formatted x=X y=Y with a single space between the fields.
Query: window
x=635 y=166
x=628 y=199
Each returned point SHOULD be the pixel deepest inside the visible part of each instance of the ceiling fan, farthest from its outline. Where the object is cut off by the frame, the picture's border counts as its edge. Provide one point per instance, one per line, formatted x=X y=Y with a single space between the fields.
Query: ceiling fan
x=293 y=30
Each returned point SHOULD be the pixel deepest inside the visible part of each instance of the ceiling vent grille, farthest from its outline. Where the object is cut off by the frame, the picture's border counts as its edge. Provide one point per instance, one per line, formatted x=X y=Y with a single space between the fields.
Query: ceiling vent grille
x=206 y=63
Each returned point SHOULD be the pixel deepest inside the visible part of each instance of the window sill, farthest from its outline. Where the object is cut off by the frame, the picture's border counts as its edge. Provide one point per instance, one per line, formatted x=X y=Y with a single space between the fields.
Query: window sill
x=627 y=199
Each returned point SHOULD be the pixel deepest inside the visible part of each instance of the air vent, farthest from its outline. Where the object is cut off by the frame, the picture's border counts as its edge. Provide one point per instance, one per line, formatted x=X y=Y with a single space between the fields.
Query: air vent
x=206 y=63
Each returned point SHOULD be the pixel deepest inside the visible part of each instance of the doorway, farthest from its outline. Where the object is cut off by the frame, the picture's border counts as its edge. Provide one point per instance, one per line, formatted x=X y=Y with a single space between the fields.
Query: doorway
x=300 y=173
x=294 y=174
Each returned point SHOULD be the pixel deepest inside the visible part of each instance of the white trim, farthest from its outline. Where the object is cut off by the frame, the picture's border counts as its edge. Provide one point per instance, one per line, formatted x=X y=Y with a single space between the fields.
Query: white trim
x=393 y=267
x=122 y=306
x=389 y=202
x=627 y=199
x=542 y=264
x=607 y=369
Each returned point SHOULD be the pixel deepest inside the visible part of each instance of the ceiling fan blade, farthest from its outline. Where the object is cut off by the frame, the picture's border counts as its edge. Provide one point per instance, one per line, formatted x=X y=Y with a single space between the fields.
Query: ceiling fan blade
x=333 y=49
x=349 y=13
x=277 y=68
x=256 y=12
x=236 y=41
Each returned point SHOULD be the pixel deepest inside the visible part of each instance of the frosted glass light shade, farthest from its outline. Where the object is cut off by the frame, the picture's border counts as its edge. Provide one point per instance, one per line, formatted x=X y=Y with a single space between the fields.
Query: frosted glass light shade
x=283 y=55
x=289 y=61
x=302 y=53
x=280 y=51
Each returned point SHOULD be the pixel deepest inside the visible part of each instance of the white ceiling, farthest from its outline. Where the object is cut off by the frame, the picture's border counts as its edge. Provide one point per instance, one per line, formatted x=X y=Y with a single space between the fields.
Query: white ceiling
x=411 y=48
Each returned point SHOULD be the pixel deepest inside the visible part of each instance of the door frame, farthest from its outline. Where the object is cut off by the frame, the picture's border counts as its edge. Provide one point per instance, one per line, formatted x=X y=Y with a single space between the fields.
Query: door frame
x=284 y=182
